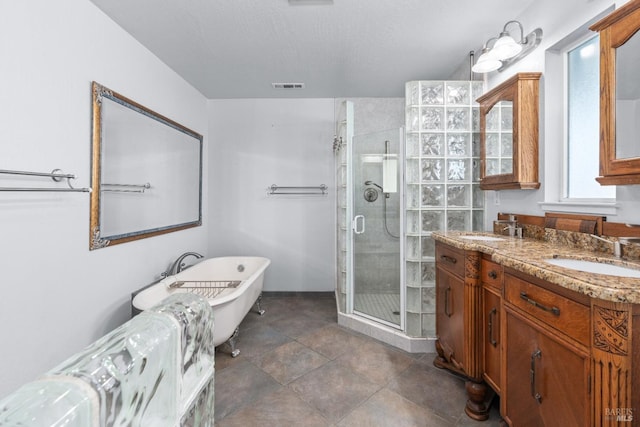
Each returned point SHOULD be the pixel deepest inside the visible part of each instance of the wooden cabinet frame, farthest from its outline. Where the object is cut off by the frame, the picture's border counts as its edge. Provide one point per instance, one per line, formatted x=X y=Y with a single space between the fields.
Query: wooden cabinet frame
x=615 y=30
x=595 y=345
x=459 y=325
x=523 y=90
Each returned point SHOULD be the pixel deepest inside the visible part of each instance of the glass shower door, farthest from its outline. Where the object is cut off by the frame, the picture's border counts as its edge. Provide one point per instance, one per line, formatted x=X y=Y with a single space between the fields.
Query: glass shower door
x=377 y=227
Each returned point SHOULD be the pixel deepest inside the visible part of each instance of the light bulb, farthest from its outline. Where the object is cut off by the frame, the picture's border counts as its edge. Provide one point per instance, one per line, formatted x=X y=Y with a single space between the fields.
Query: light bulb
x=506 y=47
x=486 y=63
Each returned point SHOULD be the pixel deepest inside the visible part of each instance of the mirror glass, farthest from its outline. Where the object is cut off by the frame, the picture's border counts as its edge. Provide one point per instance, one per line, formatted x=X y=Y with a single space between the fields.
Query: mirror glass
x=628 y=99
x=499 y=139
x=147 y=172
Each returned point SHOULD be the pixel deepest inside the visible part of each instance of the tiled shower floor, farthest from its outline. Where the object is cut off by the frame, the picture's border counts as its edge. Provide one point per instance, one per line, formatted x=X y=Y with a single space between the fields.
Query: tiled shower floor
x=382 y=306
x=297 y=367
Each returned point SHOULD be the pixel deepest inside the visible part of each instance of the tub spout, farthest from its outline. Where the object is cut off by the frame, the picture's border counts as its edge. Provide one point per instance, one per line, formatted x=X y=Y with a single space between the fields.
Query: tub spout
x=179 y=265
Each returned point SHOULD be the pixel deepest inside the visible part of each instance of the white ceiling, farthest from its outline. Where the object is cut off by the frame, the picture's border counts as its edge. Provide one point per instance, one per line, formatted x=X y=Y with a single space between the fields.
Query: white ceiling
x=347 y=48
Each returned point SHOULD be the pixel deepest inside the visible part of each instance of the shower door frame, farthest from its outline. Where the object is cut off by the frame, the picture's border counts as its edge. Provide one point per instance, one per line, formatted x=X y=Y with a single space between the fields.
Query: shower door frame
x=350 y=277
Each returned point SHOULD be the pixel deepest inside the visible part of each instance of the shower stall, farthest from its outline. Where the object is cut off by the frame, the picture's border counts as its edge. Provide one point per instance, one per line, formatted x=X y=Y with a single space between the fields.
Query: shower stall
x=377 y=227
x=394 y=187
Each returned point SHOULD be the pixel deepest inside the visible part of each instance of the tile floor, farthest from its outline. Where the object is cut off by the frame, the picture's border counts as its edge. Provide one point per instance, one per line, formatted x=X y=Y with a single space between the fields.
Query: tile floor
x=297 y=367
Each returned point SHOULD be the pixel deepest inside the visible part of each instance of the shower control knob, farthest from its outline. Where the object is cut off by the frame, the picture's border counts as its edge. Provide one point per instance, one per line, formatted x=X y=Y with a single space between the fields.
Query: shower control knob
x=371 y=194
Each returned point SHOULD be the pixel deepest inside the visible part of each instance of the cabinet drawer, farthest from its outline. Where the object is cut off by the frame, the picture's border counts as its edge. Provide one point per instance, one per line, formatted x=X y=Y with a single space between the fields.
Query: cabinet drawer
x=558 y=311
x=492 y=273
x=450 y=259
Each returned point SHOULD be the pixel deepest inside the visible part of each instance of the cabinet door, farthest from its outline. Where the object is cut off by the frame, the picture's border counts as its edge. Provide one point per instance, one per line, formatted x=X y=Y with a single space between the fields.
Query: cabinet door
x=509 y=112
x=547 y=382
x=491 y=337
x=450 y=316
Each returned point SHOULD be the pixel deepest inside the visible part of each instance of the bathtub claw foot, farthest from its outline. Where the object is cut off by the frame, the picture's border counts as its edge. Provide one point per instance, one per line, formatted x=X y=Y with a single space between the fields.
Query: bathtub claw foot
x=230 y=344
x=259 y=304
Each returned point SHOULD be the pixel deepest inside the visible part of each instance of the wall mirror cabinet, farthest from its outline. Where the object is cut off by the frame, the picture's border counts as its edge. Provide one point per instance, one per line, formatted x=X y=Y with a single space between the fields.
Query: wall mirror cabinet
x=509 y=134
x=620 y=96
x=146 y=172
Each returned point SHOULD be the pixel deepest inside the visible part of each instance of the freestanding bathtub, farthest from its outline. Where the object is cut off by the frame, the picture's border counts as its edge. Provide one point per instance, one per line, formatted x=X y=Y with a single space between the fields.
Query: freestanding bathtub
x=232 y=285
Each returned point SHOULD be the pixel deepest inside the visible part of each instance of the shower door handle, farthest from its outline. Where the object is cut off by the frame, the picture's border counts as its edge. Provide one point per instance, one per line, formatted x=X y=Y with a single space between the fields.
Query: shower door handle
x=355 y=224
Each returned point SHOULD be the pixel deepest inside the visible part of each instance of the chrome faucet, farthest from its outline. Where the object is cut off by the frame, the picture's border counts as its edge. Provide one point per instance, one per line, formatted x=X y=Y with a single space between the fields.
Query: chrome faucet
x=617 y=247
x=512 y=226
x=617 y=244
x=625 y=241
x=179 y=265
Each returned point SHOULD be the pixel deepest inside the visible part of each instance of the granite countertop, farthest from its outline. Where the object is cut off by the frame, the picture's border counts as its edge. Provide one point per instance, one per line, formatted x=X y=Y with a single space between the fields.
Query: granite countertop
x=527 y=255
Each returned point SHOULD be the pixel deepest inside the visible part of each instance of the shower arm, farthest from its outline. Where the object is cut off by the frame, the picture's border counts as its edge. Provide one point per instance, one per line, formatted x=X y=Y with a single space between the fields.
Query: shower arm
x=373 y=183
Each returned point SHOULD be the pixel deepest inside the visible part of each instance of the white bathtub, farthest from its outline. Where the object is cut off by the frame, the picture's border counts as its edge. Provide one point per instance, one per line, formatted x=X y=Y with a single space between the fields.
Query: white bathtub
x=231 y=305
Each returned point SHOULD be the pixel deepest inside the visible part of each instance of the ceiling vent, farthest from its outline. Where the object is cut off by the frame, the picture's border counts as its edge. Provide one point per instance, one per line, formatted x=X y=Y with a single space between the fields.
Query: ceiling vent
x=287 y=85
x=310 y=2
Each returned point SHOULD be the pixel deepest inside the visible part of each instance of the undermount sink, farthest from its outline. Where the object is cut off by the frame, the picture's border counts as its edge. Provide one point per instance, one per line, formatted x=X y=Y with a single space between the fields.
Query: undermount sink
x=485 y=238
x=594 y=267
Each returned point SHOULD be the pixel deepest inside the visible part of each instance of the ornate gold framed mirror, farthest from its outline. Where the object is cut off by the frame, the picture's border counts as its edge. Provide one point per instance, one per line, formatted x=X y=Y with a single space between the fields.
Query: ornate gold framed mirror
x=146 y=172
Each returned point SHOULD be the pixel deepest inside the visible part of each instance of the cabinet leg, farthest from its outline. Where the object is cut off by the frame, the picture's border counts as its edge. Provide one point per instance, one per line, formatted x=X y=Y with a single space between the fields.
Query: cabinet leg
x=479 y=402
x=440 y=361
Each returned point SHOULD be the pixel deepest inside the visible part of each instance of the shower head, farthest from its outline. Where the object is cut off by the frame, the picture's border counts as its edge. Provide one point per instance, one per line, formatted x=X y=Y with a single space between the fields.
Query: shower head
x=373 y=183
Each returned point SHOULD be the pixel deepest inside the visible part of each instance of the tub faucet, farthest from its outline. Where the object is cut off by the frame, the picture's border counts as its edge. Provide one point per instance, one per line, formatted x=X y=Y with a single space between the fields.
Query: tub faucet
x=179 y=265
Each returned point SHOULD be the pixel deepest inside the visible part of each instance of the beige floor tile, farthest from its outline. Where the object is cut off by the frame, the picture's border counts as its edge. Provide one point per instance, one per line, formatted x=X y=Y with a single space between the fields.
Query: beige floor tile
x=387 y=408
x=281 y=408
x=333 y=390
x=290 y=361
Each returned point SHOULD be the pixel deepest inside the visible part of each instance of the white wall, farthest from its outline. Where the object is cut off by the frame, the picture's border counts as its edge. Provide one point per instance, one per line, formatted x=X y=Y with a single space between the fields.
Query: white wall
x=57 y=295
x=557 y=20
x=287 y=142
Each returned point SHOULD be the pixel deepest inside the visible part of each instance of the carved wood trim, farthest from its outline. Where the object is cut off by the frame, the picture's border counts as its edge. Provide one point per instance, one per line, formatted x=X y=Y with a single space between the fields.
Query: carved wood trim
x=473 y=314
x=612 y=368
x=611 y=330
x=472 y=266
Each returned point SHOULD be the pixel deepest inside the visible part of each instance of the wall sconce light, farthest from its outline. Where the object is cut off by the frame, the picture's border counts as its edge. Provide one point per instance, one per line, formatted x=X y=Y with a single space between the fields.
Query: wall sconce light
x=506 y=50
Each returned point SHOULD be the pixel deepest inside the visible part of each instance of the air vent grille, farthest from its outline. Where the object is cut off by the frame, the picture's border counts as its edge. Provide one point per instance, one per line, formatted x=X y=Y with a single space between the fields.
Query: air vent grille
x=287 y=85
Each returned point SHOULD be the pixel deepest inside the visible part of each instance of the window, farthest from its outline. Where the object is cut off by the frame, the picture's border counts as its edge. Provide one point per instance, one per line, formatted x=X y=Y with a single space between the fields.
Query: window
x=582 y=86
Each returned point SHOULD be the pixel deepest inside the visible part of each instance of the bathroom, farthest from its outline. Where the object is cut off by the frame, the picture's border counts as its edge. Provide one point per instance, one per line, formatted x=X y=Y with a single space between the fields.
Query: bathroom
x=61 y=296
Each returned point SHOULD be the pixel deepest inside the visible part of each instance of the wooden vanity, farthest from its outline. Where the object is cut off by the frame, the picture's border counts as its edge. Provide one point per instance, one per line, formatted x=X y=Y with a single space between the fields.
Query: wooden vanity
x=557 y=345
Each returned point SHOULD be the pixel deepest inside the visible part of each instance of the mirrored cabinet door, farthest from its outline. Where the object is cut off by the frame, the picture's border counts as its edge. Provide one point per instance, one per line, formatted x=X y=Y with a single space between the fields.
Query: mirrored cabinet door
x=509 y=134
x=620 y=96
x=499 y=139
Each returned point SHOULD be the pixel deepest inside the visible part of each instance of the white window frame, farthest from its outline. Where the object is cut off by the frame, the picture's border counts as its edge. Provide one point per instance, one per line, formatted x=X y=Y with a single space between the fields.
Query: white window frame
x=565 y=157
x=556 y=130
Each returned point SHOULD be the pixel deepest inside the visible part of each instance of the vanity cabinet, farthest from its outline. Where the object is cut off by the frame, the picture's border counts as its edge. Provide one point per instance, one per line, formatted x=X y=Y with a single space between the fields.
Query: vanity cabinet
x=509 y=134
x=458 y=320
x=547 y=362
x=492 y=276
x=450 y=307
x=554 y=355
x=619 y=95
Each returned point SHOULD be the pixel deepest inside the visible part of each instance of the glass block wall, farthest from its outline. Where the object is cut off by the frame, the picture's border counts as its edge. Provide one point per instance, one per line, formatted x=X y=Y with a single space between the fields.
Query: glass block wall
x=341 y=150
x=442 y=179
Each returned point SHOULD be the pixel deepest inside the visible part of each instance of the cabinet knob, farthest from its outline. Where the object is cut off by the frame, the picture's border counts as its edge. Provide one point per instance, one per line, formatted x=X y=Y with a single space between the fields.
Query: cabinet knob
x=493 y=274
